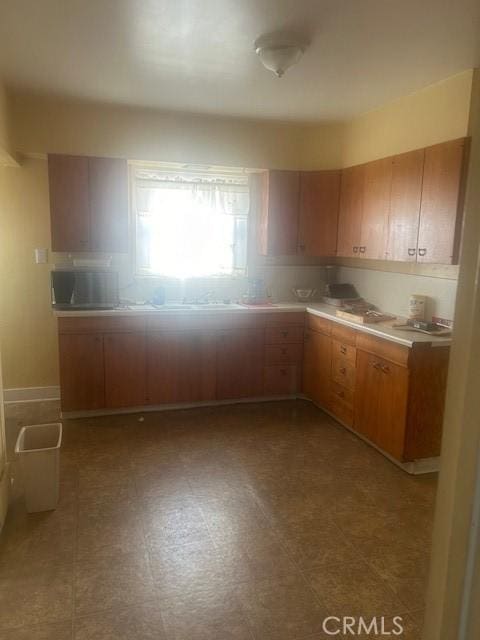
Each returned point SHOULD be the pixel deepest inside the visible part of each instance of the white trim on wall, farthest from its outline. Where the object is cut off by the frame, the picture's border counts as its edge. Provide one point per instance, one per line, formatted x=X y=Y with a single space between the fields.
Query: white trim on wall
x=31 y=394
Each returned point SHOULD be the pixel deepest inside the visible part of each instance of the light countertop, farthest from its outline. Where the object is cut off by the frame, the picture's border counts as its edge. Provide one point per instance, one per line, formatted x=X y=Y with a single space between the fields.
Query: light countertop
x=380 y=329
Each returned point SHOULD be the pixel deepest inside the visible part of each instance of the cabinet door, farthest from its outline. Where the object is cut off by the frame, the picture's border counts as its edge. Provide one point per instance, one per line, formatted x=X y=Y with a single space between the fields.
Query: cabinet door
x=180 y=367
x=376 y=204
x=318 y=216
x=283 y=201
x=108 y=189
x=240 y=360
x=350 y=212
x=381 y=402
x=69 y=203
x=317 y=363
x=405 y=199
x=367 y=397
x=82 y=373
x=125 y=369
x=442 y=203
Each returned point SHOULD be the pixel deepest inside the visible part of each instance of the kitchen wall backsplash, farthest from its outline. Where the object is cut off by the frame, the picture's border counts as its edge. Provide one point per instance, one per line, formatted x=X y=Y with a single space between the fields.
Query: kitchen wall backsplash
x=391 y=291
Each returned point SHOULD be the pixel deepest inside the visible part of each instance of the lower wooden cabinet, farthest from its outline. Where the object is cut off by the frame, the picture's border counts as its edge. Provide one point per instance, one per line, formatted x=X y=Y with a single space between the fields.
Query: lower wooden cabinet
x=180 y=367
x=382 y=400
x=240 y=364
x=124 y=355
x=317 y=361
x=281 y=380
x=82 y=371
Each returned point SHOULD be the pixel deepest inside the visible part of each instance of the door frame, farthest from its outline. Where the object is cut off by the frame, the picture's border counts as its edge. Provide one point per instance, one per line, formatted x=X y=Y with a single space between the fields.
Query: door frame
x=454 y=585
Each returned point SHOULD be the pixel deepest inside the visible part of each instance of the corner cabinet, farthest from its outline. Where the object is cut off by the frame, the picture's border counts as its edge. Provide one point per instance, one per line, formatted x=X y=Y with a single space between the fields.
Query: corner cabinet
x=88 y=203
x=389 y=394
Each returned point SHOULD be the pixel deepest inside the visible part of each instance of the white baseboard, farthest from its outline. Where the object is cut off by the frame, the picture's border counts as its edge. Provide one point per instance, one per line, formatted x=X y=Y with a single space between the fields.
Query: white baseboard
x=31 y=394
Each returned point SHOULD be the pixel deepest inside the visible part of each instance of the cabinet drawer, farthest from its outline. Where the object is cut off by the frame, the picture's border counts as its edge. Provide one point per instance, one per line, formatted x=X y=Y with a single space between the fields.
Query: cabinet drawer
x=344 y=334
x=343 y=350
x=384 y=348
x=341 y=410
x=284 y=317
x=319 y=324
x=93 y=324
x=340 y=393
x=343 y=372
x=280 y=354
x=281 y=379
x=281 y=335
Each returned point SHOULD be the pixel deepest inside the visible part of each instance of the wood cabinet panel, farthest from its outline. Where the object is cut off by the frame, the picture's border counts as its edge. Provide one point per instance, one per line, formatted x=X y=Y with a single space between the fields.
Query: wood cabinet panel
x=240 y=363
x=317 y=365
x=350 y=212
x=342 y=350
x=377 y=181
x=442 y=203
x=125 y=369
x=108 y=193
x=343 y=373
x=342 y=394
x=82 y=373
x=341 y=410
x=283 y=353
x=405 y=200
x=383 y=348
x=180 y=367
x=109 y=324
x=281 y=380
x=317 y=323
x=344 y=334
x=283 y=335
x=381 y=406
x=279 y=219
x=318 y=215
x=69 y=203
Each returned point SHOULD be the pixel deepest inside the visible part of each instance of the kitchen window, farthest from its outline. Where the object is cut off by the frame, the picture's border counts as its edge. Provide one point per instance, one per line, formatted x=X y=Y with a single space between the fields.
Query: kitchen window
x=190 y=224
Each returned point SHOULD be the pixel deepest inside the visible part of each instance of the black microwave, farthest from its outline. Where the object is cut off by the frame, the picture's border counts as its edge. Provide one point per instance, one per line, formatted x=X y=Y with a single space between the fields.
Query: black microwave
x=84 y=289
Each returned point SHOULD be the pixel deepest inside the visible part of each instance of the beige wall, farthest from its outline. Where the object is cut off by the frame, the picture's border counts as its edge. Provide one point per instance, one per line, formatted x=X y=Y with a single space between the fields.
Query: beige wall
x=437 y=113
x=7 y=155
x=41 y=125
x=29 y=349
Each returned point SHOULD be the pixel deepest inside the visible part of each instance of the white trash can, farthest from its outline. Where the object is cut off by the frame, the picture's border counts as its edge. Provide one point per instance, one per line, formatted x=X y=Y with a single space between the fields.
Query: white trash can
x=38 y=449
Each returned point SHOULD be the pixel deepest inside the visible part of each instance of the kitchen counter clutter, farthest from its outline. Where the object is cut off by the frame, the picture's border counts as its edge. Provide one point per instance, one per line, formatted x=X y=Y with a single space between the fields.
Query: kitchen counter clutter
x=387 y=387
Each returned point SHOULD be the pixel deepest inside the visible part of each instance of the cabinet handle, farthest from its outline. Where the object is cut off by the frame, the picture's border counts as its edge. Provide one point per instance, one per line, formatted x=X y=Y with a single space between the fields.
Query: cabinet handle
x=301 y=247
x=422 y=252
x=284 y=334
x=376 y=365
x=343 y=349
x=385 y=368
x=343 y=370
x=362 y=249
x=341 y=394
x=412 y=252
x=355 y=249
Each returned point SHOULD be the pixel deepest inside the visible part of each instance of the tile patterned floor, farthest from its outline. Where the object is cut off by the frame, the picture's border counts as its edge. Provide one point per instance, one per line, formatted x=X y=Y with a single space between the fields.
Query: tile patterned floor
x=246 y=522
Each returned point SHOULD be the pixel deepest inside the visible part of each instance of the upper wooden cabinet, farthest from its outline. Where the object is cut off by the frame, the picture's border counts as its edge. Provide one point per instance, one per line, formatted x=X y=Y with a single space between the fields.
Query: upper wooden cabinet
x=377 y=182
x=278 y=219
x=405 y=200
x=351 y=211
x=88 y=203
x=442 y=202
x=69 y=203
x=318 y=213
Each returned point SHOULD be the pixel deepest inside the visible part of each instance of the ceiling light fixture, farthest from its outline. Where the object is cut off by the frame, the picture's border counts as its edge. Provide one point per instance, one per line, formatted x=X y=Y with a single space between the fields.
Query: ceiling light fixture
x=278 y=53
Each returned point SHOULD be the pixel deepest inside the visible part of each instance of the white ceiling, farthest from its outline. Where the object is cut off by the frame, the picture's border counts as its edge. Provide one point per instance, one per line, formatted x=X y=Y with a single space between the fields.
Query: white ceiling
x=197 y=55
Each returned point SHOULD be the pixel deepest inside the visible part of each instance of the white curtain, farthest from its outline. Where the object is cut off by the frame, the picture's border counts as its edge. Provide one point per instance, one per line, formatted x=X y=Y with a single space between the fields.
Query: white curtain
x=191 y=228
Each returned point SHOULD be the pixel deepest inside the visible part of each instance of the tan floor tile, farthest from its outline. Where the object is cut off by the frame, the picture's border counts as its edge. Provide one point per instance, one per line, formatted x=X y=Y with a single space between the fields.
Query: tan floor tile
x=165 y=480
x=118 y=532
x=280 y=609
x=55 y=631
x=207 y=615
x=353 y=589
x=143 y=622
x=174 y=526
x=106 y=582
